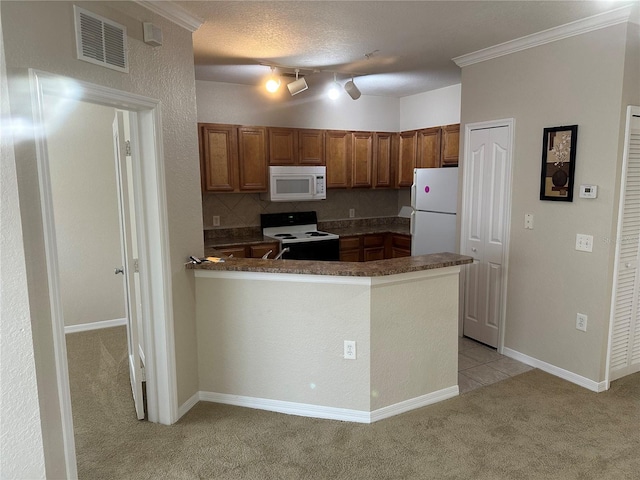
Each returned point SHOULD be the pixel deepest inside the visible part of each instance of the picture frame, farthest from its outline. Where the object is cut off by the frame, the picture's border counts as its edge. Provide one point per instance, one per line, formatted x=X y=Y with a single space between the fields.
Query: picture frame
x=558 y=163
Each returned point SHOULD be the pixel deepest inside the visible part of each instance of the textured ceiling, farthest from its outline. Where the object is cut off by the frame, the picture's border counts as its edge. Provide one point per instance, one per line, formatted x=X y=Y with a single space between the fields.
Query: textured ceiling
x=412 y=43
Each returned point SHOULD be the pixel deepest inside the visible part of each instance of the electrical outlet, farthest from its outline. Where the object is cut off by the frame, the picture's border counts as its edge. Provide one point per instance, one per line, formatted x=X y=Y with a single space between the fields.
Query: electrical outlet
x=352 y=212
x=584 y=243
x=350 y=349
x=528 y=221
x=216 y=220
x=581 y=322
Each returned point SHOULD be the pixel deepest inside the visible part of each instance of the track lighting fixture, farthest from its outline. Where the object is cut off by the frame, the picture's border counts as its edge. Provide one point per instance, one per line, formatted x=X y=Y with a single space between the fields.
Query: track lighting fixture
x=297 y=86
x=273 y=83
x=352 y=90
x=334 y=89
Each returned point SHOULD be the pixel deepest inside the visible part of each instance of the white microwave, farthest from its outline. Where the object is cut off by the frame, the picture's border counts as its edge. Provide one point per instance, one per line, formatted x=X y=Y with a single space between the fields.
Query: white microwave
x=296 y=184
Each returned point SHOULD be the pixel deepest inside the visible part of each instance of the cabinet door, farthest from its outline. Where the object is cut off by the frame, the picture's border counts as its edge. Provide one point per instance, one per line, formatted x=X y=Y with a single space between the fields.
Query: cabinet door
x=350 y=249
x=450 y=145
x=258 y=251
x=362 y=159
x=428 y=148
x=400 y=245
x=373 y=247
x=218 y=157
x=311 y=147
x=338 y=155
x=407 y=152
x=283 y=146
x=252 y=159
x=383 y=159
x=237 y=252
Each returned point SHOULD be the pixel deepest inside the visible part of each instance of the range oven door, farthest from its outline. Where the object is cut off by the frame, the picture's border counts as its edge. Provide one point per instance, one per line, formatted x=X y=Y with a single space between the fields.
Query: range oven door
x=324 y=250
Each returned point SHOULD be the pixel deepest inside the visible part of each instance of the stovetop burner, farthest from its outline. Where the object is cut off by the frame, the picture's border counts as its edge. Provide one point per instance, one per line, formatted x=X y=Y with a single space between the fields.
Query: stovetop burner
x=316 y=234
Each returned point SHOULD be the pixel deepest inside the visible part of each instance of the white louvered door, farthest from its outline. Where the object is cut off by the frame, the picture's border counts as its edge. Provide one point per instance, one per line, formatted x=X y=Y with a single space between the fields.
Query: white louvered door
x=624 y=353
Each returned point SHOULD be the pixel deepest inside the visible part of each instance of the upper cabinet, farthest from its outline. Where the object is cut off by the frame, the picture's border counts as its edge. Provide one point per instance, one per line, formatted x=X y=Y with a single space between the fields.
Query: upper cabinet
x=450 y=145
x=218 y=157
x=407 y=151
x=338 y=157
x=232 y=158
x=385 y=156
x=428 y=148
x=362 y=160
x=295 y=146
x=236 y=158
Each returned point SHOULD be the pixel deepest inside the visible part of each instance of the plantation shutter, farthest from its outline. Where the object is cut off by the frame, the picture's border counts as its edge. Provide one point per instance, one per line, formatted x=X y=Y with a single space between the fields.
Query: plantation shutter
x=625 y=330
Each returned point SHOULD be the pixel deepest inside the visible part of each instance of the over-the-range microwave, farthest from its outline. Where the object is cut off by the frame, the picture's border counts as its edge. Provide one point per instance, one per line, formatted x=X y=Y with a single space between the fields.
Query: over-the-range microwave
x=296 y=184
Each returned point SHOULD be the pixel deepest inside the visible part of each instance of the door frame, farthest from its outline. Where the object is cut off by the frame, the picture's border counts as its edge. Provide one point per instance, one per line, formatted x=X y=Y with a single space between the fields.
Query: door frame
x=468 y=128
x=152 y=219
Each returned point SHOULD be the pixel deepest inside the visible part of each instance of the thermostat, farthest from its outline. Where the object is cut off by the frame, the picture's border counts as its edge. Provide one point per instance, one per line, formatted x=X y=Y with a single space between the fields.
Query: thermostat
x=588 y=191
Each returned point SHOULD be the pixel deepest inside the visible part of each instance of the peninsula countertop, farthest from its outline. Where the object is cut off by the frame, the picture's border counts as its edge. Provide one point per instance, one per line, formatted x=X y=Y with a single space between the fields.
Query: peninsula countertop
x=376 y=268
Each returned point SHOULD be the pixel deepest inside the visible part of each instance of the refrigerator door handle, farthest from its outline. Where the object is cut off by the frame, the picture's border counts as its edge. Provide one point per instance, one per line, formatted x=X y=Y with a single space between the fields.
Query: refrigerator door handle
x=413 y=195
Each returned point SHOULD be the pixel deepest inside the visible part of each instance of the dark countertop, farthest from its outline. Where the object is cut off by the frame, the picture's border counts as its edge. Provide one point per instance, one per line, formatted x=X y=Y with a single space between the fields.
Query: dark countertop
x=376 y=268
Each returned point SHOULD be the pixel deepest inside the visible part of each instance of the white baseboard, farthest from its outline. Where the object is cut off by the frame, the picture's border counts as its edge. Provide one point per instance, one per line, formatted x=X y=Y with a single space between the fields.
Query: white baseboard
x=413 y=403
x=319 y=411
x=557 y=371
x=188 y=405
x=85 y=327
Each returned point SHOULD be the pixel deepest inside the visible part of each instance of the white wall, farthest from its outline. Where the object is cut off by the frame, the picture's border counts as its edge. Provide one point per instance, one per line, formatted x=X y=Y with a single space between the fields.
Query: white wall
x=577 y=80
x=252 y=105
x=85 y=201
x=20 y=429
x=431 y=109
x=41 y=35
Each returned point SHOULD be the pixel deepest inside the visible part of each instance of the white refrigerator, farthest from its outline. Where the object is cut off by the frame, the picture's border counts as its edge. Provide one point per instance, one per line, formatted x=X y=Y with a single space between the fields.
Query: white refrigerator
x=434 y=200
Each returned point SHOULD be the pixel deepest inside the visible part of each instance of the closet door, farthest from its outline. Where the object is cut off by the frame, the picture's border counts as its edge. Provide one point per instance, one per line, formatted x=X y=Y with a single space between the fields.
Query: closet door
x=625 y=326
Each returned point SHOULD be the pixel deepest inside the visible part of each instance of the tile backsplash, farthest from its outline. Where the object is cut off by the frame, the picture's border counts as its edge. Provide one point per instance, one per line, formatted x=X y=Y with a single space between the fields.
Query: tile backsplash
x=243 y=210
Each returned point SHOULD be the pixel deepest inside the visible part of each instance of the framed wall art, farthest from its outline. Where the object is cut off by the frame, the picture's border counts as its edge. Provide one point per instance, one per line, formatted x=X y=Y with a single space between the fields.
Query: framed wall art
x=558 y=163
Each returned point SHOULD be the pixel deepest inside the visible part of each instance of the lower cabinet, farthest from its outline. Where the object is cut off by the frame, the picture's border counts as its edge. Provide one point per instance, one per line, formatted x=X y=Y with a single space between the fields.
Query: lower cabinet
x=377 y=246
x=257 y=250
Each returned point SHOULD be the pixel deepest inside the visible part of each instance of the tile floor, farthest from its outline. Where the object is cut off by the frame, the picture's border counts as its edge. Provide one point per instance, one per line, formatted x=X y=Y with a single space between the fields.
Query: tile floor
x=479 y=365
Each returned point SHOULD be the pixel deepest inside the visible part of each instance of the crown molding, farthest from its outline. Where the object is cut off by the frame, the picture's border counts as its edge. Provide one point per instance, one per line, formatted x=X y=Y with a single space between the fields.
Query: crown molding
x=174 y=13
x=585 y=25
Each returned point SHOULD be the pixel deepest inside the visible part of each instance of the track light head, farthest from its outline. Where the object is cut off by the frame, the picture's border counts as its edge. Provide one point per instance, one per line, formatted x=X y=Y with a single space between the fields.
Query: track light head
x=352 y=90
x=298 y=85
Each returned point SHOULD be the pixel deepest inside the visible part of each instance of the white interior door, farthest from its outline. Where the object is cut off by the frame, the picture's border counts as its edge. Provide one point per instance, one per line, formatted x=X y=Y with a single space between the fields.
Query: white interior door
x=624 y=337
x=129 y=261
x=485 y=221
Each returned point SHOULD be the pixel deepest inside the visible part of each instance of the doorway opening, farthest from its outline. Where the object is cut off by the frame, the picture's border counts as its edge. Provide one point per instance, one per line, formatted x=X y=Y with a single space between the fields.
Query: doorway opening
x=152 y=233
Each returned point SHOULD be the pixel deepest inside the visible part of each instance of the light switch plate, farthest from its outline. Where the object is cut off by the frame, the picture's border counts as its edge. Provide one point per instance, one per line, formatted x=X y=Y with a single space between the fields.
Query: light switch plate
x=528 y=221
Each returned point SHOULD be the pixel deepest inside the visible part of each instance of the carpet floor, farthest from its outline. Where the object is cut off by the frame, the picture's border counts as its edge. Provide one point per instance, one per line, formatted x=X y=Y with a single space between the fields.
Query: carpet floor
x=531 y=426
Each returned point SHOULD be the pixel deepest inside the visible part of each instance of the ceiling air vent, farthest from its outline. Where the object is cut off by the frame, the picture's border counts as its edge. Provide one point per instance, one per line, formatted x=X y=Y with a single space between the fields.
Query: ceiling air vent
x=101 y=41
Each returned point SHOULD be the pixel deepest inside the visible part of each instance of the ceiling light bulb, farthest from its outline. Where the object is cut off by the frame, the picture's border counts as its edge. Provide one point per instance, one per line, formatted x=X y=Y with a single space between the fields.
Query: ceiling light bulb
x=334 y=89
x=273 y=83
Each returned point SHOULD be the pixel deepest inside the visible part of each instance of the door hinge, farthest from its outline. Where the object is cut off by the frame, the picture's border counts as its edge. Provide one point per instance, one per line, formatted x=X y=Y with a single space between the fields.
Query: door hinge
x=143 y=374
x=136 y=266
x=127 y=148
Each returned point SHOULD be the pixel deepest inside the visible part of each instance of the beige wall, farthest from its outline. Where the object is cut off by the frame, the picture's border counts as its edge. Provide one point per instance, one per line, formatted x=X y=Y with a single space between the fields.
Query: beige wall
x=41 y=35
x=85 y=201
x=573 y=81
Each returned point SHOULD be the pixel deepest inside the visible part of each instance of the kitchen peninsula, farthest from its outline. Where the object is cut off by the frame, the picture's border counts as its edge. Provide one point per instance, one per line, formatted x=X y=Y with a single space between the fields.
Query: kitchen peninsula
x=272 y=334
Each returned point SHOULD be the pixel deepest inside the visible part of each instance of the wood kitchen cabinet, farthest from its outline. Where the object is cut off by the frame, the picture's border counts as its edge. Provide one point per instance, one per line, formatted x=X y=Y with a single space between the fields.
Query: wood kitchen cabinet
x=350 y=250
x=295 y=146
x=384 y=158
x=429 y=148
x=338 y=158
x=251 y=251
x=362 y=160
x=407 y=151
x=218 y=157
x=232 y=158
x=400 y=245
x=450 y=150
x=373 y=247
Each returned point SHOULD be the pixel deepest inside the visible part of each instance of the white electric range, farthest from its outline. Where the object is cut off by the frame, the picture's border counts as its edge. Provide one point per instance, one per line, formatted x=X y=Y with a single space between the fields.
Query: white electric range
x=298 y=231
